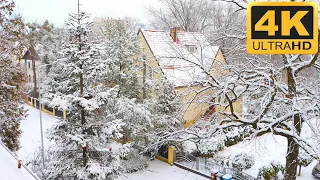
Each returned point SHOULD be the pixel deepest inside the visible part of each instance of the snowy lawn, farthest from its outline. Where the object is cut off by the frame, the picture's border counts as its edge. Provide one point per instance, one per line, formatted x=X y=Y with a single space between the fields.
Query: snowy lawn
x=31 y=135
x=31 y=141
x=158 y=170
x=265 y=149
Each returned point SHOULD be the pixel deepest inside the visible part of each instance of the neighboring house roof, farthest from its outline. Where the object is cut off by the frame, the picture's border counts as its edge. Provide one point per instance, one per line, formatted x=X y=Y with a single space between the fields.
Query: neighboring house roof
x=176 y=61
x=27 y=54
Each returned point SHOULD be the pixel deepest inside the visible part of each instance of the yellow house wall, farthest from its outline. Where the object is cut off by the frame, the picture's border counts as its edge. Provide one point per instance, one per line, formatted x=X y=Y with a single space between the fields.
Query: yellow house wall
x=192 y=102
x=217 y=66
x=151 y=63
x=191 y=110
x=151 y=60
x=217 y=70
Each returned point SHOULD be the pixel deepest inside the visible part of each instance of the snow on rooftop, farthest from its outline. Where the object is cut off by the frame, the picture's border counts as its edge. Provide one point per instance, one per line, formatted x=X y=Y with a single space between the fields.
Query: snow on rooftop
x=9 y=167
x=178 y=63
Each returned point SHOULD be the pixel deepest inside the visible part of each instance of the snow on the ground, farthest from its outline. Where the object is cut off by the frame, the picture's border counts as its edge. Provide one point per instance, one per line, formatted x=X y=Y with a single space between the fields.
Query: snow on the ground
x=265 y=149
x=31 y=134
x=9 y=167
x=31 y=141
x=158 y=170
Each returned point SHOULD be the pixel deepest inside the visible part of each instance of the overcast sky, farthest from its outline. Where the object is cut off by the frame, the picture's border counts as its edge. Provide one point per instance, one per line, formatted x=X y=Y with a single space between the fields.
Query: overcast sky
x=56 y=11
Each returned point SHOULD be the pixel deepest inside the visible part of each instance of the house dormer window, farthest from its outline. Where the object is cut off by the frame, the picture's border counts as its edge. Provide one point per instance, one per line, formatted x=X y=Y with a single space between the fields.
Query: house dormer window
x=191 y=48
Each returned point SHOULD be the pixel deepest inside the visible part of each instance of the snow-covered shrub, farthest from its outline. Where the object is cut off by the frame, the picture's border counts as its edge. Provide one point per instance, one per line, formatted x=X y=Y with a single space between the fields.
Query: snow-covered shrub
x=274 y=171
x=133 y=162
x=237 y=134
x=34 y=162
x=223 y=161
x=242 y=161
x=208 y=147
x=189 y=146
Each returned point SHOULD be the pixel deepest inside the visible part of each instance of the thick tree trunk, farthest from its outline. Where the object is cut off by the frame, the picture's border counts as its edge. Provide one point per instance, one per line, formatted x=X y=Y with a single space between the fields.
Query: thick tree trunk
x=291 y=160
x=83 y=122
x=293 y=147
x=82 y=113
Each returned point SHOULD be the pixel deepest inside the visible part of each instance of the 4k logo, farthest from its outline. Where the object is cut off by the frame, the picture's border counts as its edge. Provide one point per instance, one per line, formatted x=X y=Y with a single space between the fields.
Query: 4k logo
x=282 y=28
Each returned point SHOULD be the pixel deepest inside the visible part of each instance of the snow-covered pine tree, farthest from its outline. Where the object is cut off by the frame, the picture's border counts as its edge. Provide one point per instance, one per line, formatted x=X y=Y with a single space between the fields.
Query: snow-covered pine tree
x=97 y=83
x=12 y=78
x=49 y=44
x=46 y=41
x=166 y=114
x=121 y=45
x=145 y=119
x=80 y=83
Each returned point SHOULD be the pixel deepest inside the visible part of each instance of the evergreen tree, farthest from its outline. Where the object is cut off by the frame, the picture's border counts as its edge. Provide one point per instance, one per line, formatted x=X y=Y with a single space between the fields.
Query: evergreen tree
x=121 y=45
x=108 y=123
x=165 y=109
x=79 y=82
x=45 y=42
x=12 y=78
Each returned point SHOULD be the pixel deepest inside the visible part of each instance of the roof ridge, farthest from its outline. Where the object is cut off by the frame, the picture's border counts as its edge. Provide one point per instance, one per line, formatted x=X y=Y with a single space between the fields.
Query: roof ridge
x=152 y=30
x=191 y=32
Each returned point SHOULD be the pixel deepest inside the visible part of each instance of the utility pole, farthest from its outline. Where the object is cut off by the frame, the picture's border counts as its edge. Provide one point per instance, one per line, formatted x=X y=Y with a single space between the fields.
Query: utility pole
x=41 y=124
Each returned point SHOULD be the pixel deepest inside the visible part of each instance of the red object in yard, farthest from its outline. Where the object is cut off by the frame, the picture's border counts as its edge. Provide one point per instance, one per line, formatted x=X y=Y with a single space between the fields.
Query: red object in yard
x=19 y=163
x=110 y=149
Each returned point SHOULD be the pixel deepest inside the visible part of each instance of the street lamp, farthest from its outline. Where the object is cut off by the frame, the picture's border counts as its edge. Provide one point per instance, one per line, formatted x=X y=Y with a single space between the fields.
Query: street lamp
x=40 y=109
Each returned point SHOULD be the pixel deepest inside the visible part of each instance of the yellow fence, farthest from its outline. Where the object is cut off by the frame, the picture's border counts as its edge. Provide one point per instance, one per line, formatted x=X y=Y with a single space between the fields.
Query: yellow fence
x=171 y=156
x=33 y=102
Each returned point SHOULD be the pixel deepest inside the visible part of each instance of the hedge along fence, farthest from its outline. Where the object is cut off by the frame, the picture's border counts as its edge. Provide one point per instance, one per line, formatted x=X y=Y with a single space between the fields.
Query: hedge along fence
x=52 y=111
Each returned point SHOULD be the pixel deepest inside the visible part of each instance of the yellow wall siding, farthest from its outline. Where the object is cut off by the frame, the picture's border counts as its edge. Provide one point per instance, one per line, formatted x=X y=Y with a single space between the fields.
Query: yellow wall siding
x=237 y=107
x=193 y=105
x=218 y=71
x=217 y=66
x=151 y=64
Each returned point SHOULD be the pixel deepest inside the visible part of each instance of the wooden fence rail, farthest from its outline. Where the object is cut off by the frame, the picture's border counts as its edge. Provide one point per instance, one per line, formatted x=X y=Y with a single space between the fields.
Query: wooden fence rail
x=52 y=111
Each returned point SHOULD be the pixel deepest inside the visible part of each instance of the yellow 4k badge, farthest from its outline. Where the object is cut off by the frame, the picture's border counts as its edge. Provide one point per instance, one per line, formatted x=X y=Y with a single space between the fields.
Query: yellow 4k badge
x=282 y=28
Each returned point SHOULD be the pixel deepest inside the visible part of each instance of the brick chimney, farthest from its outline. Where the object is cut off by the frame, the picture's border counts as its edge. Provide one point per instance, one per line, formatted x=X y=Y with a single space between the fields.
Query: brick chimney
x=174 y=31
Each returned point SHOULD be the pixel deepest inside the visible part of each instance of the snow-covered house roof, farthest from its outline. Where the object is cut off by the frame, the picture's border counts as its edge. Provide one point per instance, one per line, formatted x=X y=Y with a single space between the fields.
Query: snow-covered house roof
x=28 y=54
x=179 y=60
